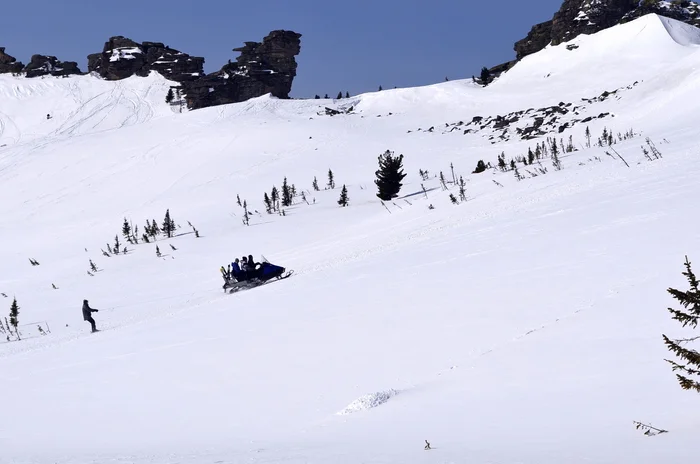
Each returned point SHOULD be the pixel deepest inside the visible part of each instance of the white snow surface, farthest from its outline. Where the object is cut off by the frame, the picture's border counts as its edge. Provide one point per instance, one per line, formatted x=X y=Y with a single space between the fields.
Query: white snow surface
x=521 y=326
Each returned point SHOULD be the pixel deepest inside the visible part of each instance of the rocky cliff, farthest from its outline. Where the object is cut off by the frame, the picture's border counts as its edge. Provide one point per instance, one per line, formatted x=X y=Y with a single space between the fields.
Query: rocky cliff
x=576 y=17
x=40 y=65
x=8 y=64
x=262 y=67
x=122 y=58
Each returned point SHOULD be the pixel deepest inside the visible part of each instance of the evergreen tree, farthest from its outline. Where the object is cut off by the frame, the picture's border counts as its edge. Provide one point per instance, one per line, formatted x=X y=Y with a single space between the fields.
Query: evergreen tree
x=530 y=156
x=340 y=95
x=462 y=191
x=347 y=94
x=286 y=193
x=555 y=157
x=380 y=88
x=274 y=197
x=126 y=230
x=512 y=164
x=268 y=204
x=14 y=316
x=502 y=162
x=135 y=235
x=389 y=175
x=238 y=200
x=588 y=137
x=326 y=97
x=168 y=226
x=315 y=184
x=452 y=168
x=116 y=244
x=485 y=76
x=453 y=199
x=344 y=200
x=317 y=97
x=169 y=97
x=155 y=230
x=480 y=167
x=331 y=181
x=688 y=316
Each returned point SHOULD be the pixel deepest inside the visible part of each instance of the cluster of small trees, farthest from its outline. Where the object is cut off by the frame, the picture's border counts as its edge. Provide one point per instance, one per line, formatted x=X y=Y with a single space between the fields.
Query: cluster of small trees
x=10 y=329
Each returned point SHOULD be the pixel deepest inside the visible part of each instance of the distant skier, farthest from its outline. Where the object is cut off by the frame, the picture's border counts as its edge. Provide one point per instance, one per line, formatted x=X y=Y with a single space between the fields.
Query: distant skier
x=87 y=315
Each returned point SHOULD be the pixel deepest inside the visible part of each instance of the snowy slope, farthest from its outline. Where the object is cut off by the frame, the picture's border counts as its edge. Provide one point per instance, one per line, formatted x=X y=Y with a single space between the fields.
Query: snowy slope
x=523 y=325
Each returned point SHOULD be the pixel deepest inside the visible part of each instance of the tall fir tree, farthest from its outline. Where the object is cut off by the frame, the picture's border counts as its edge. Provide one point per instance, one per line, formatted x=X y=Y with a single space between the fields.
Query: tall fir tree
x=117 y=245
x=340 y=95
x=389 y=176
x=689 y=367
x=485 y=76
x=344 y=200
x=588 y=137
x=347 y=94
x=170 y=96
x=155 y=230
x=315 y=184
x=331 y=180
x=274 y=197
x=286 y=193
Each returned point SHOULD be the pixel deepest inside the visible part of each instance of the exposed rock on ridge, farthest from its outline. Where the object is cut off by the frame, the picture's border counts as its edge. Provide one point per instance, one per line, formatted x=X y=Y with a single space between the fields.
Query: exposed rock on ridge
x=122 y=58
x=261 y=68
x=576 y=17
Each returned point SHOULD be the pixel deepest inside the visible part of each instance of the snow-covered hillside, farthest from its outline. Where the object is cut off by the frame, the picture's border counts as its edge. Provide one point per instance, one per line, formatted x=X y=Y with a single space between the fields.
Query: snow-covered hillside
x=520 y=326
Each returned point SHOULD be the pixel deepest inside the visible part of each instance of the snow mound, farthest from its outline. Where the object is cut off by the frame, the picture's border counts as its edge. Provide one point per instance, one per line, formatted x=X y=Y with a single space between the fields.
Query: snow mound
x=682 y=33
x=369 y=401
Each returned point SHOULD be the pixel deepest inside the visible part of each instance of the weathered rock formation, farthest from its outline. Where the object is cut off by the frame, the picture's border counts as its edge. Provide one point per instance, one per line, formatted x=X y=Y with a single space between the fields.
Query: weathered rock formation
x=8 y=64
x=261 y=68
x=41 y=65
x=576 y=17
x=122 y=58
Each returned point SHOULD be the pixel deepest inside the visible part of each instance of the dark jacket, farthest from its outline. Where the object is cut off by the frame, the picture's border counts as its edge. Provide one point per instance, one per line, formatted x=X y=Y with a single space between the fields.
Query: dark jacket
x=87 y=310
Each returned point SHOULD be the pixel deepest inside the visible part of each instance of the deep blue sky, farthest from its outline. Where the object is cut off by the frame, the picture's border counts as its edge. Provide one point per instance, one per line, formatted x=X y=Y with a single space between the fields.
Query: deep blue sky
x=350 y=46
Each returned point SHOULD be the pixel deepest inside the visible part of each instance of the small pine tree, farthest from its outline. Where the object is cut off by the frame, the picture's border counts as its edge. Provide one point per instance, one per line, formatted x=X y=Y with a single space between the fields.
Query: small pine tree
x=168 y=226
x=340 y=95
x=268 y=204
x=344 y=200
x=158 y=254
x=588 y=137
x=689 y=315
x=274 y=197
x=347 y=94
x=170 y=96
x=14 y=316
x=155 y=230
x=135 y=236
x=462 y=190
x=512 y=164
x=326 y=97
x=389 y=175
x=530 y=156
x=317 y=97
x=286 y=193
x=331 y=180
x=126 y=229
x=443 y=183
x=246 y=216
x=453 y=199
x=238 y=199
x=315 y=184
x=145 y=238
x=380 y=88
x=555 y=157
x=116 y=244
x=485 y=76
x=502 y=162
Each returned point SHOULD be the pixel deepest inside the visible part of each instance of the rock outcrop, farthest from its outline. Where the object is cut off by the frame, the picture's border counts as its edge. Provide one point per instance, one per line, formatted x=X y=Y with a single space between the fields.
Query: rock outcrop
x=261 y=68
x=41 y=65
x=8 y=64
x=122 y=58
x=576 y=17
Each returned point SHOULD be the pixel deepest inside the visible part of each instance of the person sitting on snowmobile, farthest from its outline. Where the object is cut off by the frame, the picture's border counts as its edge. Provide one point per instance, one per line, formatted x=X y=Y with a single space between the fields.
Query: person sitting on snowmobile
x=236 y=270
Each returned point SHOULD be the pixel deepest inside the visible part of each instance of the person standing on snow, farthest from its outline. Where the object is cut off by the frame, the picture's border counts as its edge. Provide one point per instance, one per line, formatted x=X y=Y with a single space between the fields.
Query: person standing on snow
x=87 y=315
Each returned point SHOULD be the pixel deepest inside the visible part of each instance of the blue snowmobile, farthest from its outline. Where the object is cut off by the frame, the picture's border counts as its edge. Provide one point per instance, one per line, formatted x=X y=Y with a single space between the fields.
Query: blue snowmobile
x=263 y=273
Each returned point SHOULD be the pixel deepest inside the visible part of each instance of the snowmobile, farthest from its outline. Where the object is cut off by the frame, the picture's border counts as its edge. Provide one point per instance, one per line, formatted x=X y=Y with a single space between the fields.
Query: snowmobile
x=263 y=273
